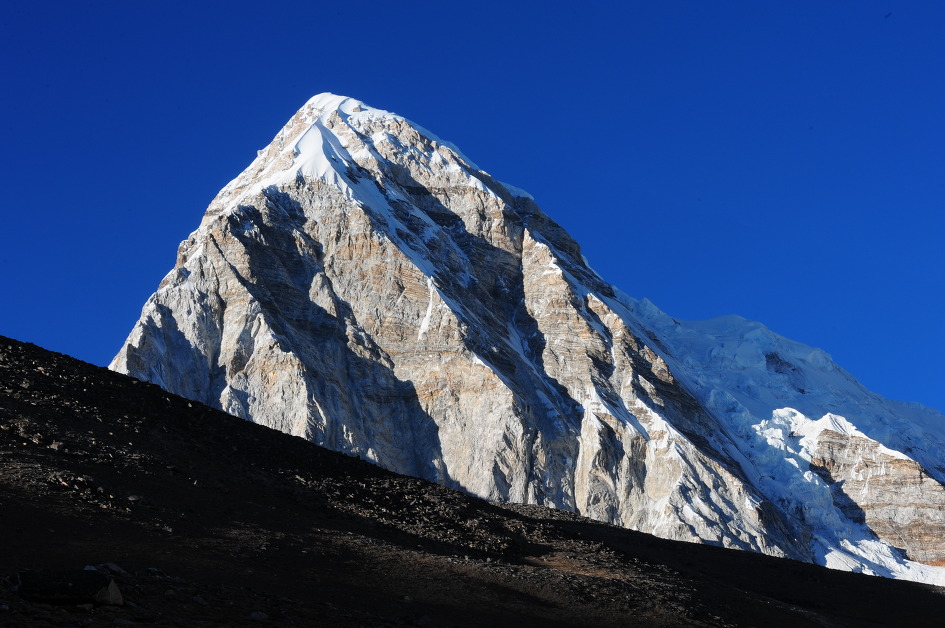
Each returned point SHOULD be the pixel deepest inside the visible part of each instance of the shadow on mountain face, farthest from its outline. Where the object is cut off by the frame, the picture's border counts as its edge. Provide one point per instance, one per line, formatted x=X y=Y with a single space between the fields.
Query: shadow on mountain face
x=209 y=520
x=497 y=286
x=320 y=340
x=276 y=264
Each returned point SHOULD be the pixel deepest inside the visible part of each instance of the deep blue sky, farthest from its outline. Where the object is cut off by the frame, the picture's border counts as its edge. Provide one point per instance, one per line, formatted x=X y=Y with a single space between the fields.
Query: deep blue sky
x=780 y=160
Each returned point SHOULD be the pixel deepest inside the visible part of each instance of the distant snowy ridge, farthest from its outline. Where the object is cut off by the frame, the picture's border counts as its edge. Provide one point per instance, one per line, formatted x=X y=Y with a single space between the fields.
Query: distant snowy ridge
x=747 y=375
x=364 y=285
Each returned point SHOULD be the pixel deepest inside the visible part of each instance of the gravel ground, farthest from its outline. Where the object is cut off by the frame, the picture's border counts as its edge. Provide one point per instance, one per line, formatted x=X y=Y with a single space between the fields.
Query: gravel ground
x=203 y=519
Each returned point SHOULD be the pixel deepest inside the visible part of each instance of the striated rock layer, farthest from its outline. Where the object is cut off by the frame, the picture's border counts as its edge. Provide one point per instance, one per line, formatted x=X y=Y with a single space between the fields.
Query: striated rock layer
x=364 y=285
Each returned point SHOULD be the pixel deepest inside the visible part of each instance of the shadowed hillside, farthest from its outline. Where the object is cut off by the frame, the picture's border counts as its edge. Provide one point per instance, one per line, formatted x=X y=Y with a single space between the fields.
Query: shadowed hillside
x=204 y=519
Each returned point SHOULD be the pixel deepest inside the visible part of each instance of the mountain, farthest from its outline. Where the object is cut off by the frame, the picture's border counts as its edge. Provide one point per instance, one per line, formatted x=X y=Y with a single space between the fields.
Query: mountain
x=364 y=285
x=203 y=519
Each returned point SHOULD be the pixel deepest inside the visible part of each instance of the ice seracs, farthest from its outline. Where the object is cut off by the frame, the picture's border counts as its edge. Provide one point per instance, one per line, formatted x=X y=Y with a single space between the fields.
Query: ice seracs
x=364 y=285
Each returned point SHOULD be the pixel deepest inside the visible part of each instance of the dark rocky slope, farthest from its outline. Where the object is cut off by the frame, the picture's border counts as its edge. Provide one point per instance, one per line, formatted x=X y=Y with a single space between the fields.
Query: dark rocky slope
x=213 y=520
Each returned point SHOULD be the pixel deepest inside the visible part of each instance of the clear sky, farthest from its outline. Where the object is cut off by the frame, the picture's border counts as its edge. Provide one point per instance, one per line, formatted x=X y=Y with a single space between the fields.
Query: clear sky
x=780 y=160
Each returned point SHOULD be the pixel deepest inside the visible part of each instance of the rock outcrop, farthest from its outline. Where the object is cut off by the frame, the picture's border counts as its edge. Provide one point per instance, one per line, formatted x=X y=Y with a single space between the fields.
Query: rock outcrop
x=889 y=492
x=364 y=285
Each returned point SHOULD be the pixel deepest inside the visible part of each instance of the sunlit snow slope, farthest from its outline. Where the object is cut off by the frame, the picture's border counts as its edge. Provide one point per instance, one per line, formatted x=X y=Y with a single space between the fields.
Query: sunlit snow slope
x=864 y=472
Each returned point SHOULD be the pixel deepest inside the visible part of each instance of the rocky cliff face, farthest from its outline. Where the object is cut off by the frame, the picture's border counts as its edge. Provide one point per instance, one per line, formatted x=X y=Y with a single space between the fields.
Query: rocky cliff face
x=364 y=285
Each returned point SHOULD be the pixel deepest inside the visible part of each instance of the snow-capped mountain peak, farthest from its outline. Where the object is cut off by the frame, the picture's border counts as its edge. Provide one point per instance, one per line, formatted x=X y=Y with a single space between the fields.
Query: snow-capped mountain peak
x=364 y=285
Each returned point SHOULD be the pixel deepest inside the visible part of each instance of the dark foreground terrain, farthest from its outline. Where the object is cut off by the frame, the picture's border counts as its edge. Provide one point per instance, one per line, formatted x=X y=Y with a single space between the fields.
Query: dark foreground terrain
x=203 y=519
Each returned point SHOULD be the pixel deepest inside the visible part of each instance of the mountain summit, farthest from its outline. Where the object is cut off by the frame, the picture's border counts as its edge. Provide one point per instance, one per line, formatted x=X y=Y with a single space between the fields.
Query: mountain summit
x=364 y=285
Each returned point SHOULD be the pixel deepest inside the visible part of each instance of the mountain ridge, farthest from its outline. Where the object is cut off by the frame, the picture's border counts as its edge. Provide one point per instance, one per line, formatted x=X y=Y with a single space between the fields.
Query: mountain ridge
x=365 y=286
